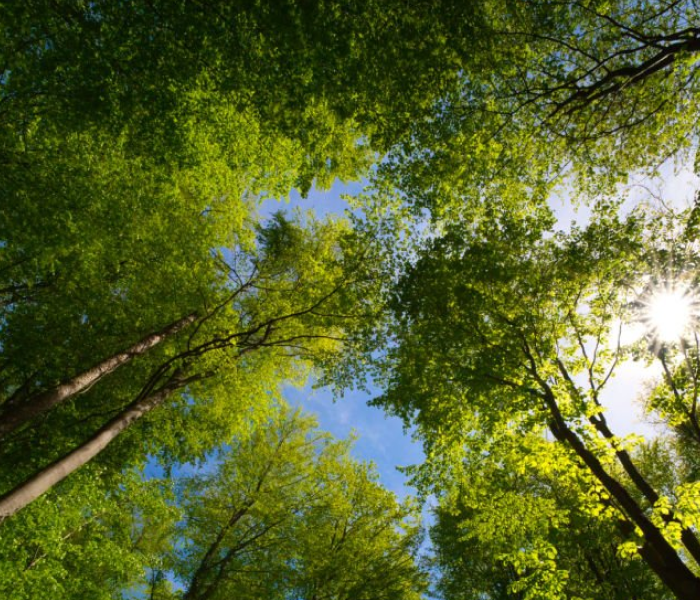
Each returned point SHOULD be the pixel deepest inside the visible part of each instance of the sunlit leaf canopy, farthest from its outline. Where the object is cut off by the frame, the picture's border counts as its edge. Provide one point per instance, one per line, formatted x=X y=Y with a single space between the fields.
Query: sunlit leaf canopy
x=581 y=93
x=144 y=302
x=504 y=341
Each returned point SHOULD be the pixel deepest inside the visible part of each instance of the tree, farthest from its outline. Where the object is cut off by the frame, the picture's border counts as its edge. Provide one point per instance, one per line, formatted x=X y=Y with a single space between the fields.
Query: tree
x=553 y=92
x=280 y=509
x=282 y=311
x=95 y=242
x=137 y=142
x=288 y=513
x=324 y=74
x=520 y=521
x=505 y=325
x=87 y=541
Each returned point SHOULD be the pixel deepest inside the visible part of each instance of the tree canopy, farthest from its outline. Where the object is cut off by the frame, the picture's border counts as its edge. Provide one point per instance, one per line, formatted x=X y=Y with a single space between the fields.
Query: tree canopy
x=552 y=93
x=151 y=311
x=284 y=512
x=506 y=336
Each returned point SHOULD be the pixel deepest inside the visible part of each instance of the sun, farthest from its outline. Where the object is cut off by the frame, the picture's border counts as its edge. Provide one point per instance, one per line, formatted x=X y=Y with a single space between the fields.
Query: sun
x=670 y=313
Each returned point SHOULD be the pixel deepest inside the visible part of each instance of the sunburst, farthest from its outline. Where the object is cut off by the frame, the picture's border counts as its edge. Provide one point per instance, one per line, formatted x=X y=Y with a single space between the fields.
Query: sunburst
x=670 y=312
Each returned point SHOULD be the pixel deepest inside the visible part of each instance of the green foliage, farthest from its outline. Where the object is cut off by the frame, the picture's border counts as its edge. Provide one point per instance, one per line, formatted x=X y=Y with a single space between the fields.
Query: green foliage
x=551 y=93
x=274 y=310
x=504 y=336
x=287 y=513
x=323 y=74
x=136 y=141
x=85 y=541
x=486 y=297
x=280 y=510
x=519 y=521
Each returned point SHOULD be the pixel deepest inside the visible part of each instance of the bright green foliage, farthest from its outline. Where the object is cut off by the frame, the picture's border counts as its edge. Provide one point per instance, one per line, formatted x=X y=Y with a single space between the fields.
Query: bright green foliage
x=85 y=543
x=550 y=90
x=486 y=296
x=323 y=74
x=519 y=521
x=362 y=543
x=288 y=514
x=136 y=140
x=505 y=333
x=97 y=242
x=280 y=511
x=278 y=307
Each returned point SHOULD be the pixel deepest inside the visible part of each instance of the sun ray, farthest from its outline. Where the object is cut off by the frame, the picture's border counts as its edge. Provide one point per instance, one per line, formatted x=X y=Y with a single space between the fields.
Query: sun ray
x=670 y=312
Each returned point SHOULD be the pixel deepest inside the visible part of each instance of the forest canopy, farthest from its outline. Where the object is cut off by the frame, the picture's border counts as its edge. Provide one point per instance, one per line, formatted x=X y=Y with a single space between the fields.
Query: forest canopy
x=153 y=308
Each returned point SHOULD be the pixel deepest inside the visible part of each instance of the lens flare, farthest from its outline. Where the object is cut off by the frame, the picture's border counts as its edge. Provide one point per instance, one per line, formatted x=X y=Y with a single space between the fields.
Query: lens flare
x=670 y=314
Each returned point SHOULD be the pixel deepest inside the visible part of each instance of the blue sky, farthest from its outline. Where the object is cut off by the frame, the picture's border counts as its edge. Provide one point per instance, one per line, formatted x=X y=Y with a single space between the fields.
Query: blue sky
x=380 y=439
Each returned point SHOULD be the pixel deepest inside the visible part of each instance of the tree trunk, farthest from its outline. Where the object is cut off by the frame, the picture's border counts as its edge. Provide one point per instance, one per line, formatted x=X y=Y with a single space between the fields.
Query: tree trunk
x=656 y=551
x=690 y=541
x=42 y=481
x=15 y=412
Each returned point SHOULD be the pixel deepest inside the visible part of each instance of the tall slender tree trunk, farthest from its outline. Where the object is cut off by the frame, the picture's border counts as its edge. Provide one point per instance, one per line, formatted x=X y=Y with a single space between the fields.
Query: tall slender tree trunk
x=690 y=541
x=688 y=537
x=656 y=551
x=16 y=411
x=42 y=481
